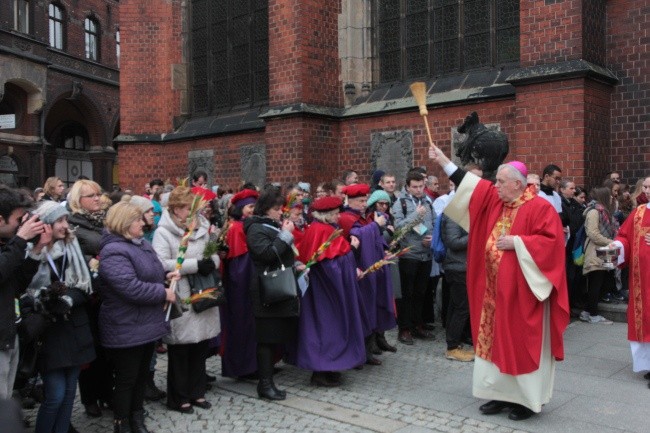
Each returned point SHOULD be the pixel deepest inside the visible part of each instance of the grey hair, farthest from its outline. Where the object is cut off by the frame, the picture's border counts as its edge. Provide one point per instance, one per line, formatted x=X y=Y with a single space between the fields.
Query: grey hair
x=514 y=174
x=324 y=217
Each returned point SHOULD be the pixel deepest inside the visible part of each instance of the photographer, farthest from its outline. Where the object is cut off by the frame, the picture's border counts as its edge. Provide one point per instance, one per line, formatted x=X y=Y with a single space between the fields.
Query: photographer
x=60 y=288
x=16 y=227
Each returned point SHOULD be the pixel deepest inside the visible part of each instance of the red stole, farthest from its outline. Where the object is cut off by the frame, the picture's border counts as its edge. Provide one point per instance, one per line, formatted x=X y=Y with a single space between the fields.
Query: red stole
x=236 y=240
x=506 y=317
x=315 y=236
x=637 y=256
x=347 y=220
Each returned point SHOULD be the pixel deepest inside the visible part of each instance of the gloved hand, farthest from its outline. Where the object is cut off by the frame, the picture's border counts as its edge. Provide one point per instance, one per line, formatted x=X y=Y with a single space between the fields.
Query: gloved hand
x=206 y=266
x=59 y=305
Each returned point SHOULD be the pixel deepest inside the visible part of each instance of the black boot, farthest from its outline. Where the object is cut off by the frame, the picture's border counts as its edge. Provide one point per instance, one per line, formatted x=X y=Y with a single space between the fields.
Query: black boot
x=121 y=426
x=282 y=393
x=151 y=392
x=371 y=344
x=266 y=389
x=383 y=344
x=137 y=422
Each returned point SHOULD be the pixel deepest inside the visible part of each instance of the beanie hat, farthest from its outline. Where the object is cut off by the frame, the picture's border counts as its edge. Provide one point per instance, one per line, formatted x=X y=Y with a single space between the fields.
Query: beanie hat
x=376 y=176
x=49 y=211
x=143 y=203
x=378 y=195
x=304 y=186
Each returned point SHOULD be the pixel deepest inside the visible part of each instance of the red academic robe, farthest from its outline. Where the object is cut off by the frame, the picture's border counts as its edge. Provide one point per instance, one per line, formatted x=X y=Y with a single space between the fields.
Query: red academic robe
x=514 y=335
x=236 y=240
x=637 y=257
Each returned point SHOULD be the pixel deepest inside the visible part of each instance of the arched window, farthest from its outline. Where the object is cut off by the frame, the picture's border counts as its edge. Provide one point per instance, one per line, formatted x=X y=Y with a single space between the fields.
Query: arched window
x=21 y=16
x=417 y=39
x=56 y=26
x=91 y=31
x=73 y=136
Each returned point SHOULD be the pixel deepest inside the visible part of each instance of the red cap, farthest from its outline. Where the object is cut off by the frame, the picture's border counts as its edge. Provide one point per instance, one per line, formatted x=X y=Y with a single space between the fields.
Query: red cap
x=250 y=194
x=356 y=190
x=325 y=204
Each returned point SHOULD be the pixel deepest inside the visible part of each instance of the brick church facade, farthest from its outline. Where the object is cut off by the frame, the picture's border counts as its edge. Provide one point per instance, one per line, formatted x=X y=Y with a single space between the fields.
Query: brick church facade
x=59 y=90
x=288 y=90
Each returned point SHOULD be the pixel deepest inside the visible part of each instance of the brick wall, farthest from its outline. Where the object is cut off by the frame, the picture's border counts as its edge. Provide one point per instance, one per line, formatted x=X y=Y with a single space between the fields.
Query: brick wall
x=151 y=43
x=551 y=31
x=303 y=55
x=628 y=48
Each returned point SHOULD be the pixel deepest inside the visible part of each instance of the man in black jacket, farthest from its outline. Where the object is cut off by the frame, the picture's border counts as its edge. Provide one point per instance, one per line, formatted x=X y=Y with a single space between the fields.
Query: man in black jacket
x=16 y=229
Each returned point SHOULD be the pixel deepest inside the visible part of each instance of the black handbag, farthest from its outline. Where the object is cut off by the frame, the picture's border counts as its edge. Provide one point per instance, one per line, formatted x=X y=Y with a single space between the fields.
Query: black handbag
x=199 y=283
x=278 y=285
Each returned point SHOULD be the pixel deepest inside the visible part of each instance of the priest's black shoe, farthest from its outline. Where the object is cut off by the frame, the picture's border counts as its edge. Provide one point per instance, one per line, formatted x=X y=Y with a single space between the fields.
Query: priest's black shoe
x=494 y=406
x=520 y=413
x=265 y=390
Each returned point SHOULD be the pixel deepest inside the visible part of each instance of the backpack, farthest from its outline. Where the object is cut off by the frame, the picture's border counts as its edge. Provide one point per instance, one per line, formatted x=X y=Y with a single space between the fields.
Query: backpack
x=578 y=251
x=437 y=245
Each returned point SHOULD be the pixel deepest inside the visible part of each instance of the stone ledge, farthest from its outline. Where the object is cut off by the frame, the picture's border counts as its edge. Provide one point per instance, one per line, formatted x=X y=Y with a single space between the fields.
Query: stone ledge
x=562 y=71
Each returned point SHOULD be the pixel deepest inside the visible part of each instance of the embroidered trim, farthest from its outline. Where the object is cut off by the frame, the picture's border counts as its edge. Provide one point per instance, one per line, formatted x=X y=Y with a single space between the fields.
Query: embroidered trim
x=638 y=234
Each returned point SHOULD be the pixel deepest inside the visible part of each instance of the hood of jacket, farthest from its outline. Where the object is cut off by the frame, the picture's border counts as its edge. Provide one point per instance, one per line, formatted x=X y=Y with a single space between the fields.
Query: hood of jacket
x=256 y=219
x=168 y=223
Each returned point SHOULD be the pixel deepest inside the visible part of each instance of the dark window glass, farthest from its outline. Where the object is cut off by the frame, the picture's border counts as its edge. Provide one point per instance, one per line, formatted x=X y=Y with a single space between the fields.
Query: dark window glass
x=21 y=16
x=230 y=50
x=417 y=39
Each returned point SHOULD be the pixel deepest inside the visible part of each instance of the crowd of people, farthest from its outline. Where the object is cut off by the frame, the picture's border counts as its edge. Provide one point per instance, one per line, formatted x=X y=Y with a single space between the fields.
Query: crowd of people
x=94 y=286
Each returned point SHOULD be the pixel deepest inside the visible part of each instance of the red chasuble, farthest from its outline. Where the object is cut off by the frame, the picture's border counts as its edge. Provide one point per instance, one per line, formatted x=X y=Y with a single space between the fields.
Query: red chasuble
x=315 y=236
x=506 y=317
x=637 y=257
x=236 y=240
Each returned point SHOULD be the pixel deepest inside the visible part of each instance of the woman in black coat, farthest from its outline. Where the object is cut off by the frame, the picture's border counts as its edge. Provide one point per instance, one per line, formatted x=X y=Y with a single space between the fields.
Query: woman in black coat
x=270 y=242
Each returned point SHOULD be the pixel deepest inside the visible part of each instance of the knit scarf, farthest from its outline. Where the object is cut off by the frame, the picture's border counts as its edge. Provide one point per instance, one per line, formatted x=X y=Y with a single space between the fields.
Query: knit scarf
x=96 y=219
x=76 y=272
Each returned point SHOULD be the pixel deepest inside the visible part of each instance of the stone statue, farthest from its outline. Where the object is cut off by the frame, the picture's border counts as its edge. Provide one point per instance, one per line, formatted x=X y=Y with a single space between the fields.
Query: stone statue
x=483 y=147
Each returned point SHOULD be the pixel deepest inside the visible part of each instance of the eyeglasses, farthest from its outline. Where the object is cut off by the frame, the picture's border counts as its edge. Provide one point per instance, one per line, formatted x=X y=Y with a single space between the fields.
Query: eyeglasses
x=96 y=195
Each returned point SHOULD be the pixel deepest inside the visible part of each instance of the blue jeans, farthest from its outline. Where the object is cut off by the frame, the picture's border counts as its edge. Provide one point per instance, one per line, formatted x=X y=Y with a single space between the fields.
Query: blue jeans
x=59 y=389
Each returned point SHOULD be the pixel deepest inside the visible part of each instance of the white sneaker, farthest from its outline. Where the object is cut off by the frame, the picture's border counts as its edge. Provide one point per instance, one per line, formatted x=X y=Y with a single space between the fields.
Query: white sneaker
x=584 y=316
x=600 y=319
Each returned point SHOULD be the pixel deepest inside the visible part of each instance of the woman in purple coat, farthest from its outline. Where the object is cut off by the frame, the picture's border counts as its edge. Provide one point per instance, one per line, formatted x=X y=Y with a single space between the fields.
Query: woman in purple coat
x=131 y=317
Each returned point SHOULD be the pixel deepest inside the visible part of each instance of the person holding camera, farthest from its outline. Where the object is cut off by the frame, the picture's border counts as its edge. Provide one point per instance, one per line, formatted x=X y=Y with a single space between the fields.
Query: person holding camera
x=16 y=228
x=60 y=288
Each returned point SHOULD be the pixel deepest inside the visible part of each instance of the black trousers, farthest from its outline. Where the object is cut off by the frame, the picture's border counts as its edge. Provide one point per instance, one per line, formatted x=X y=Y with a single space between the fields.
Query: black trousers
x=131 y=366
x=428 y=315
x=458 y=311
x=414 y=276
x=186 y=372
x=597 y=282
x=96 y=381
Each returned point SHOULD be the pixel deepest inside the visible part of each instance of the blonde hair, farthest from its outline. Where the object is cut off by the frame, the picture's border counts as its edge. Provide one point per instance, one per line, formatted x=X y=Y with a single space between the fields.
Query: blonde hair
x=180 y=197
x=50 y=185
x=120 y=216
x=74 y=196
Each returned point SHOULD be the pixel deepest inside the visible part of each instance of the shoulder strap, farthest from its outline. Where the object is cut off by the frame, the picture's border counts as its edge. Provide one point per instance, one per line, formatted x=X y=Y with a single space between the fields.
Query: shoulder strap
x=402 y=200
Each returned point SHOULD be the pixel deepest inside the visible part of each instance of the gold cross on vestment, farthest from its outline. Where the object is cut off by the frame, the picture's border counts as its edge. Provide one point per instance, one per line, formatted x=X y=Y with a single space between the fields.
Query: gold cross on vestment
x=504 y=224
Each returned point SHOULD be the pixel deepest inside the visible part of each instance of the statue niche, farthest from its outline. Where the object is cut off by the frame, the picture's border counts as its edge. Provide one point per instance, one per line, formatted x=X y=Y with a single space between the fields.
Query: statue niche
x=483 y=147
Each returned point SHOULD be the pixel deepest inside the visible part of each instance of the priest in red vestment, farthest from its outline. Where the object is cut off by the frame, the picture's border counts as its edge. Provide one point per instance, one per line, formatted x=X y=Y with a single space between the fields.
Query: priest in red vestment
x=634 y=239
x=516 y=283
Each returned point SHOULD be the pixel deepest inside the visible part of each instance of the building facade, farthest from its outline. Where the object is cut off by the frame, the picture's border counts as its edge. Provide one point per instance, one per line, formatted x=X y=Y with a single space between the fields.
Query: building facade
x=287 y=90
x=59 y=90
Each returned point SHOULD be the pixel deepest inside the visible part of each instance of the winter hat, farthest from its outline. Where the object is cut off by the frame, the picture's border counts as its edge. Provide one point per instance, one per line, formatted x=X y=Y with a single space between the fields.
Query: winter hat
x=143 y=203
x=376 y=176
x=304 y=186
x=378 y=195
x=49 y=211
x=520 y=166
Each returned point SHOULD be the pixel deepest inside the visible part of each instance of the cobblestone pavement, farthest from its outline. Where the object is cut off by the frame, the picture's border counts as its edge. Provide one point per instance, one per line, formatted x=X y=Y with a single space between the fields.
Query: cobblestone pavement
x=416 y=390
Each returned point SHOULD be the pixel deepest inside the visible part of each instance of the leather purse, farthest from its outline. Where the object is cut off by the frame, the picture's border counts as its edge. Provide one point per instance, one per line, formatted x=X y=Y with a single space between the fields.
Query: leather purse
x=199 y=283
x=278 y=285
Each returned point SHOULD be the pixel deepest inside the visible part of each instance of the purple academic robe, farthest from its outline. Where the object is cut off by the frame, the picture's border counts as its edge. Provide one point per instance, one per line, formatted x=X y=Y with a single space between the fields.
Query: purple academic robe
x=239 y=352
x=376 y=289
x=330 y=334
